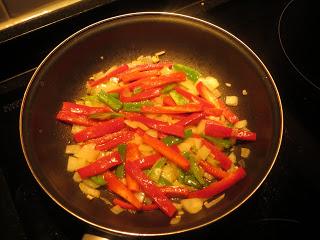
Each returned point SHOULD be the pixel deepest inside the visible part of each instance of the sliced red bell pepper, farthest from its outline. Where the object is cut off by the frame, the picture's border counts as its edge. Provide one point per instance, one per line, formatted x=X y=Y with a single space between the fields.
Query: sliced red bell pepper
x=192 y=119
x=110 y=136
x=166 y=151
x=214 y=171
x=164 y=127
x=99 y=130
x=127 y=136
x=229 y=115
x=74 y=118
x=109 y=75
x=82 y=109
x=132 y=154
x=126 y=205
x=168 y=101
x=162 y=80
x=216 y=130
x=149 y=66
x=100 y=165
x=175 y=192
x=148 y=161
x=135 y=75
x=145 y=95
x=116 y=186
x=206 y=93
x=212 y=111
x=220 y=186
x=224 y=160
x=187 y=108
x=193 y=97
x=151 y=189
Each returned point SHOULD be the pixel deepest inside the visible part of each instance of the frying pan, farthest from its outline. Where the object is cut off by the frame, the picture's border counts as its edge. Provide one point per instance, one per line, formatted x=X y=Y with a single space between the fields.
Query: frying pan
x=210 y=49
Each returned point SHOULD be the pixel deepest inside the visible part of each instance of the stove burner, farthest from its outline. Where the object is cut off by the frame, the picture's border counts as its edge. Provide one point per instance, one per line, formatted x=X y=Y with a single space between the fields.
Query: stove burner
x=296 y=31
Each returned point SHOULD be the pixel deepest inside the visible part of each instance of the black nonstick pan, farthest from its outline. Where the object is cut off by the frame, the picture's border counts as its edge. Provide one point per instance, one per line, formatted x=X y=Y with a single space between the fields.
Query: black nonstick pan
x=213 y=51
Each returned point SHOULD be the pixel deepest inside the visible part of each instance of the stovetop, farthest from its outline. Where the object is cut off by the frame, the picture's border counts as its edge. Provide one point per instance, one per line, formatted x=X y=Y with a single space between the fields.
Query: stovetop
x=280 y=32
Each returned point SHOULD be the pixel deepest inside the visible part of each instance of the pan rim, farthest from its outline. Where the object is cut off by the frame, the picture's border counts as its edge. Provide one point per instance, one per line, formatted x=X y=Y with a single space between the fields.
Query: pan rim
x=149 y=13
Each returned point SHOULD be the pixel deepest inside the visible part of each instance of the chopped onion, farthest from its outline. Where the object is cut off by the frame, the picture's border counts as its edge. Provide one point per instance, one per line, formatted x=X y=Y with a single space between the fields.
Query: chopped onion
x=89 y=191
x=192 y=205
x=232 y=100
x=175 y=220
x=244 y=152
x=241 y=124
x=72 y=148
x=214 y=201
x=117 y=209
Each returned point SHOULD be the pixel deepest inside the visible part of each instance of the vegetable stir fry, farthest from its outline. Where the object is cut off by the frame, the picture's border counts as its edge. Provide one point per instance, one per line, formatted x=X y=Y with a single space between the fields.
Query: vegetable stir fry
x=158 y=135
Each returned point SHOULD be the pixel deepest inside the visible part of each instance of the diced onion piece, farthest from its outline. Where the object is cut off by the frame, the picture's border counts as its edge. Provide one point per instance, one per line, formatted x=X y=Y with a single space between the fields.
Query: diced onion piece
x=72 y=148
x=203 y=153
x=106 y=201
x=75 y=163
x=143 y=148
x=244 y=152
x=189 y=87
x=152 y=133
x=88 y=153
x=178 y=206
x=140 y=196
x=184 y=146
x=232 y=100
x=232 y=157
x=76 y=177
x=175 y=220
x=214 y=201
x=76 y=128
x=210 y=82
x=160 y=53
x=201 y=126
x=192 y=205
x=89 y=190
x=117 y=209
x=244 y=92
x=228 y=84
x=137 y=139
x=155 y=59
x=90 y=183
x=241 y=124
x=170 y=172
x=135 y=124
x=208 y=176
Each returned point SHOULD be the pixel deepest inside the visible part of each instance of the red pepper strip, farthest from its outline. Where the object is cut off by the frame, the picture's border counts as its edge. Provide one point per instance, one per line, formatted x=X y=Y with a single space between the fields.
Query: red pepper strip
x=82 y=109
x=166 y=151
x=132 y=154
x=115 y=141
x=99 y=130
x=145 y=95
x=109 y=75
x=192 y=119
x=187 y=108
x=148 y=161
x=151 y=189
x=100 y=165
x=212 y=111
x=135 y=75
x=192 y=97
x=229 y=115
x=162 y=80
x=217 y=130
x=74 y=118
x=145 y=67
x=206 y=93
x=168 y=101
x=126 y=205
x=175 y=148
x=214 y=171
x=220 y=186
x=164 y=127
x=109 y=137
x=175 y=192
x=224 y=160
x=116 y=186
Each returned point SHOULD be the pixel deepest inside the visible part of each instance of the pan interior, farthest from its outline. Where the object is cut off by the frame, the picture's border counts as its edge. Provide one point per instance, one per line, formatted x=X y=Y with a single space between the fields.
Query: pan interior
x=62 y=77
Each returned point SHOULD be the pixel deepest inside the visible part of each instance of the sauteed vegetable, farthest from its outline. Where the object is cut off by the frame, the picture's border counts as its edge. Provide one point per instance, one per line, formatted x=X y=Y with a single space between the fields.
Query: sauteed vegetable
x=159 y=135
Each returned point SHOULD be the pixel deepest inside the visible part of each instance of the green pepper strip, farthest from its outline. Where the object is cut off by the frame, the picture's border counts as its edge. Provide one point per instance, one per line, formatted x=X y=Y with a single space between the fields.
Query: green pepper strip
x=178 y=98
x=105 y=116
x=156 y=169
x=190 y=180
x=122 y=149
x=168 y=88
x=194 y=168
x=135 y=106
x=191 y=73
x=98 y=180
x=221 y=143
x=171 y=140
x=111 y=101
x=163 y=181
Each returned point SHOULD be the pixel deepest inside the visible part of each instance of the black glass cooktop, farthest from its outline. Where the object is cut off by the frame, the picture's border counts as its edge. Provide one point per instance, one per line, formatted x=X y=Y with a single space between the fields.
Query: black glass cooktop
x=281 y=33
